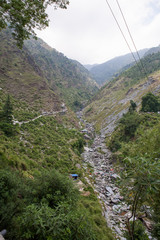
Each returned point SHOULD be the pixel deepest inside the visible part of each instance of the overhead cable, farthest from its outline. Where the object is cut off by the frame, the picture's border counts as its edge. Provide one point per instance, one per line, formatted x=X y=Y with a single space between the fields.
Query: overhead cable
x=143 y=67
x=123 y=34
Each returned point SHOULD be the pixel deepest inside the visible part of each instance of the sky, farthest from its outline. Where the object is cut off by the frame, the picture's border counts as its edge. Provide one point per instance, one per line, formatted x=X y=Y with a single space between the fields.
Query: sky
x=87 y=31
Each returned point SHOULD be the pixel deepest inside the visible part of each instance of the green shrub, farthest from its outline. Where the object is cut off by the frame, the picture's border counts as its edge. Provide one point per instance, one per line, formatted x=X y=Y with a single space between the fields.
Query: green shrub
x=139 y=232
x=150 y=103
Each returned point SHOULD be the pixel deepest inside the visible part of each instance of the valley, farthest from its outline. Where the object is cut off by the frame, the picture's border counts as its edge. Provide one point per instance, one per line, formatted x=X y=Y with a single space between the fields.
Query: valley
x=55 y=121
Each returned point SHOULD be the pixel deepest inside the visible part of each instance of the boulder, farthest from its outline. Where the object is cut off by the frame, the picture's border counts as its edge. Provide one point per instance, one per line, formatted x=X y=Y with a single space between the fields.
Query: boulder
x=109 y=189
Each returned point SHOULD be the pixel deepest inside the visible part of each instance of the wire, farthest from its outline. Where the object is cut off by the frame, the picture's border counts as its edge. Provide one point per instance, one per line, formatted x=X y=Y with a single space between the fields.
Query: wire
x=123 y=34
x=145 y=72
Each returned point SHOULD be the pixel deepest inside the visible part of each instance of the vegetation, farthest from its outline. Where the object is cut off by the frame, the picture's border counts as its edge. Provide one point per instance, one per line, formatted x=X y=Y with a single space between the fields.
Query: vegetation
x=43 y=208
x=33 y=15
x=136 y=73
x=137 y=141
x=6 y=124
x=43 y=77
x=66 y=77
x=38 y=200
x=150 y=103
x=126 y=129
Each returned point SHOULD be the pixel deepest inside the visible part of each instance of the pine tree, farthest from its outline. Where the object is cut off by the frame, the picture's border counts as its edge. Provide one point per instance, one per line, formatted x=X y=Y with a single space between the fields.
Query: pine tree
x=6 y=124
x=7 y=111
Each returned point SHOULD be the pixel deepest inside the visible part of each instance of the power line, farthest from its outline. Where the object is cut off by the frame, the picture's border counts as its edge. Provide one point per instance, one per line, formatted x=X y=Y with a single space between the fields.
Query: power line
x=143 y=67
x=123 y=34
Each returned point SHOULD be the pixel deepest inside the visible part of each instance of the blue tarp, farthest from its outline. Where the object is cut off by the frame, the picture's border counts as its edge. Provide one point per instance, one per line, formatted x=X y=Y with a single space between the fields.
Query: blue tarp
x=74 y=175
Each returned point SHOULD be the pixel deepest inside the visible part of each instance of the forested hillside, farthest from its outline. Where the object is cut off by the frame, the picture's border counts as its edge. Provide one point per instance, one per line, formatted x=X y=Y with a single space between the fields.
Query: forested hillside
x=135 y=144
x=66 y=77
x=22 y=77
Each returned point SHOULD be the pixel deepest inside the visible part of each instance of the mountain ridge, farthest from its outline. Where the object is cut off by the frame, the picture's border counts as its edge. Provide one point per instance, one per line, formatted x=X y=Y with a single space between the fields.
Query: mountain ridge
x=104 y=72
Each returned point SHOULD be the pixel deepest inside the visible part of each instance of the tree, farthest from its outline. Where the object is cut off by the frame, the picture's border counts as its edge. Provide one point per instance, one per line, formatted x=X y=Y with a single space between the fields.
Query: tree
x=133 y=106
x=23 y=16
x=7 y=110
x=140 y=181
x=150 y=103
x=6 y=117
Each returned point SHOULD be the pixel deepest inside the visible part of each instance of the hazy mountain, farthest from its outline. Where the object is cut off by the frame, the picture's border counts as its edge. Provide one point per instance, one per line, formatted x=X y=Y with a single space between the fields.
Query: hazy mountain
x=104 y=72
x=90 y=66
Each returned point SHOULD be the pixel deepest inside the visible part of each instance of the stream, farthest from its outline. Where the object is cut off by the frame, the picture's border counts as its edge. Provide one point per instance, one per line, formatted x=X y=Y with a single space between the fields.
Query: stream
x=114 y=209
x=104 y=176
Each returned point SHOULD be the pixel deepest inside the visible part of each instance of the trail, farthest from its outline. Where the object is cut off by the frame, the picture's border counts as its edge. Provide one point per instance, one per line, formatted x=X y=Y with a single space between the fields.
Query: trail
x=53 y=113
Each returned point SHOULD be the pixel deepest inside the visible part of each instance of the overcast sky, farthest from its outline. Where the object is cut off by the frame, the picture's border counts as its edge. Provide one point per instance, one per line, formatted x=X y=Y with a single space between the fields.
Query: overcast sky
x=87 y=32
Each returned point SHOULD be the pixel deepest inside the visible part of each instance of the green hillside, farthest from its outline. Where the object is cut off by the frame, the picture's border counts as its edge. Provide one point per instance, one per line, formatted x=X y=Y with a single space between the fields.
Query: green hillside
x=38 y=200
x=67 y=77
x=135 y=146
x=40 y=146
x=40 y=74
x=114 y=98
x=22 y=78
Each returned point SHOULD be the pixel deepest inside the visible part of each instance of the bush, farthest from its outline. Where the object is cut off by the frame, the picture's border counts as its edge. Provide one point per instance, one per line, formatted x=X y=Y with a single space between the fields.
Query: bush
x=10 y=202
x=139 y=232
x=53 y=188
x=150 y=103
x=63 y=223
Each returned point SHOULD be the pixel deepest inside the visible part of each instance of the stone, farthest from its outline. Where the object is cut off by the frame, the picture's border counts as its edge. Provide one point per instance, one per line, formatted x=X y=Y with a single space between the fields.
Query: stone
x=109 y=189
x=115 y=176
x=87 y=137
x=78 y=166
x=118 y=230
x=115 y=200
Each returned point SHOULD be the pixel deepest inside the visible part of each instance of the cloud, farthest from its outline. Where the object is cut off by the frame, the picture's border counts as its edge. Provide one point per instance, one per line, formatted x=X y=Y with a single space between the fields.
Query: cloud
x=87 y=32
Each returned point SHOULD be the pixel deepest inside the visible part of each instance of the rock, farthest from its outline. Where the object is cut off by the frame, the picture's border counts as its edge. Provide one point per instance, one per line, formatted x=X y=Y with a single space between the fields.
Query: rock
x=115 y=176
x=78 y=166
x=1 y=237
x=118 y=230
x=115 y=200
x=117 y=208
x=87 y=137
x=109 y=189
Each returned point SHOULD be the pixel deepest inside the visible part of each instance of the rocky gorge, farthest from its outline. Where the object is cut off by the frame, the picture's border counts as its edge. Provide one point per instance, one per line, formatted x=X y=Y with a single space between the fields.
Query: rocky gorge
x=104 y=179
